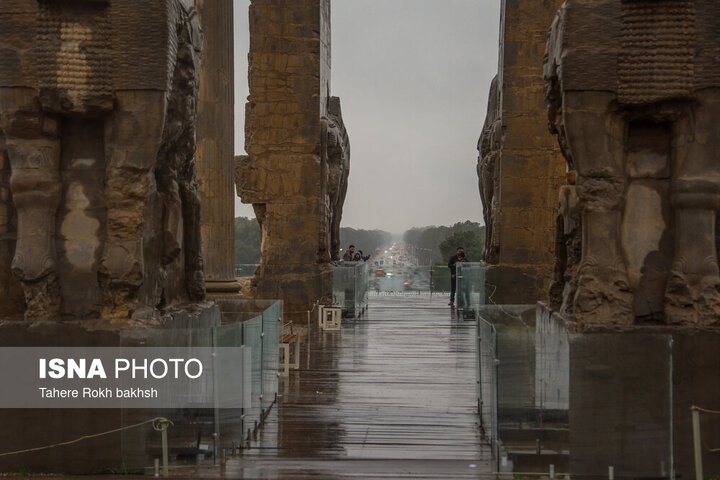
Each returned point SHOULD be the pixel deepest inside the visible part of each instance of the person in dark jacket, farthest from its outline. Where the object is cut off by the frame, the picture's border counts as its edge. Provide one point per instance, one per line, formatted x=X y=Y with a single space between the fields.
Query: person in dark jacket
x=452 y=265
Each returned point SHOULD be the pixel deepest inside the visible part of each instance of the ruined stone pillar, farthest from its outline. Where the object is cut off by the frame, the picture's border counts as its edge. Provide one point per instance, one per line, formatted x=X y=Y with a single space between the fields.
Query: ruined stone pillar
x=215 y=145
x=295 y=174
x=520 y=167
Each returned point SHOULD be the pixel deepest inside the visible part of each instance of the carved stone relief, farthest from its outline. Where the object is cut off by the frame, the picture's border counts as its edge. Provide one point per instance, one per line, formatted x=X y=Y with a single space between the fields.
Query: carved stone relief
x=636 y=107
x=97 y=113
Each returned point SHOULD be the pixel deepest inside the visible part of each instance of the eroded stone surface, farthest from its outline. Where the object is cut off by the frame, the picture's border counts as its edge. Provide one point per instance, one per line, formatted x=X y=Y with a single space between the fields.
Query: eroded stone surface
x=296 y=170
x=636 y=106
x=97 y=137
x=489 y=146
x=520 y=166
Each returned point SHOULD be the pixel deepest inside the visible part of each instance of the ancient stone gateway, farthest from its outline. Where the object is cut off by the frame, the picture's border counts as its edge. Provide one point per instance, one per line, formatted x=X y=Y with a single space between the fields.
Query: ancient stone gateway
x=520 y=166
x=100 y=213
x=295 y=173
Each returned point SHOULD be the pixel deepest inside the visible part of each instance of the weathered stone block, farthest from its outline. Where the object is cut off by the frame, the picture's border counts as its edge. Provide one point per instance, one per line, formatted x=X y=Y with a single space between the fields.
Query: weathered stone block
x=631 y=389
x=505 y=285
x=97 y=136
x=637 y=128
x=620 y=398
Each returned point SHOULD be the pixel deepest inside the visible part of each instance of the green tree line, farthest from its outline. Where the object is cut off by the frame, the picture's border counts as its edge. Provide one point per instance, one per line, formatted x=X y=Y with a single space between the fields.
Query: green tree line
x=369 y=241
x=247 y=240
x=438 y=243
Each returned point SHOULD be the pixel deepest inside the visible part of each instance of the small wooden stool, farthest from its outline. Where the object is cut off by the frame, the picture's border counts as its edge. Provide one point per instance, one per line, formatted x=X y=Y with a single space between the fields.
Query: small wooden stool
x=288 y=342
x=330 y=317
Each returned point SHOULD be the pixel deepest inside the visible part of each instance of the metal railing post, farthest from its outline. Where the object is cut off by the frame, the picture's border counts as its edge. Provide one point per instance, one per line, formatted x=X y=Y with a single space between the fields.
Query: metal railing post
x=309 y=314
x=162 y=425
x=432 y=280
x=697 y=445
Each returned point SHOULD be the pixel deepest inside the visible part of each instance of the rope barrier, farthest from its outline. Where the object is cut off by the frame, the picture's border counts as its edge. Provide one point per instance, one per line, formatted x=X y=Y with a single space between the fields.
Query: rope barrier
x=157 y=425
x=713 y=412
x=705 y=410
x=259 y=313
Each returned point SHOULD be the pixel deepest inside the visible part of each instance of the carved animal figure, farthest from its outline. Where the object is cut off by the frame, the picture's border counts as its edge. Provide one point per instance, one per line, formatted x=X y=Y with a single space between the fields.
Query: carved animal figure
x=633 y=93
x=487 y=170
x=97 y=109
x=337 y=151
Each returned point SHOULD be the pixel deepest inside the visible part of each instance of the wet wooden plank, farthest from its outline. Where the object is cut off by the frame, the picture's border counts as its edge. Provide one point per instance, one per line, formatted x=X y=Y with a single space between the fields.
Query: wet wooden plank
x=296 y=469
x=391 y=395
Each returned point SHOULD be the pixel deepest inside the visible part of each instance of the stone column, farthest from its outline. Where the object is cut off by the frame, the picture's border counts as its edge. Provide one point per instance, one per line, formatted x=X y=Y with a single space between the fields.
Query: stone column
x=521 y=168
x=296 y=170
x=215 y=145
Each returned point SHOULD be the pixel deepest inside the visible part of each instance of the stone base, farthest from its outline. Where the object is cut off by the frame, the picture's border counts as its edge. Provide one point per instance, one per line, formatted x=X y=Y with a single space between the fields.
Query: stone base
x=505 y=285
x=222 y=287
x=630 y=391
x=298 y=286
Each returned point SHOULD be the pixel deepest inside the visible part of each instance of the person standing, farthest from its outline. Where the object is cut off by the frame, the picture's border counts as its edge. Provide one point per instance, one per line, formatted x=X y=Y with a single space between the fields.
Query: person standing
x=452 y=265
x=349 y=254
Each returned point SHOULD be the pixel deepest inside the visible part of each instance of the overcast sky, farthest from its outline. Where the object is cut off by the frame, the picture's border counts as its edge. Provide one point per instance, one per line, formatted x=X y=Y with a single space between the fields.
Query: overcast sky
x=413 y=79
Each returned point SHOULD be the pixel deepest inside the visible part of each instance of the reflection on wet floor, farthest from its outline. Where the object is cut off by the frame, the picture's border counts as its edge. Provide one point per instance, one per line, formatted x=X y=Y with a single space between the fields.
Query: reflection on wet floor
x=392 y=395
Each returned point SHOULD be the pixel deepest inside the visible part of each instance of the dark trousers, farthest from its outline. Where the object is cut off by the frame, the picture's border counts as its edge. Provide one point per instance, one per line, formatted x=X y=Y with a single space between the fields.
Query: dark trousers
x=453 y=286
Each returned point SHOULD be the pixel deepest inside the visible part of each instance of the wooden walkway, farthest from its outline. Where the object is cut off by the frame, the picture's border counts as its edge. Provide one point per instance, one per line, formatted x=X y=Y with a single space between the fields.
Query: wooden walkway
x=392 y=395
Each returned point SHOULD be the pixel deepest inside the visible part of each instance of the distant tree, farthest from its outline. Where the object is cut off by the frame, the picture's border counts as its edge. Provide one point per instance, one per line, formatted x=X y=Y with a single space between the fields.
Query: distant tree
x=247 y=240
x=470 y=240
x=412 y=236
x=369 y=241
x=426 y=241
x=429 y=239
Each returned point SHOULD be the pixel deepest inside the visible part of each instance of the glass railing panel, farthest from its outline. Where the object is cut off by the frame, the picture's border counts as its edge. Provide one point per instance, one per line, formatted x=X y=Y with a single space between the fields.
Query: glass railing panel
x=487 y=380
x=191 y=433
x=361 y=288
x=552 y=363
x=440 y=278
x=470 y=290
x=621 y=396
x=245 y=269
x=403 y=279
x=231 y=415
x=209 y=413
x=271 y=326
x=341 y=277
x=417 y=279
x=547 y=396
x=350 y=286
x=507 y=362
x=252 y=337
